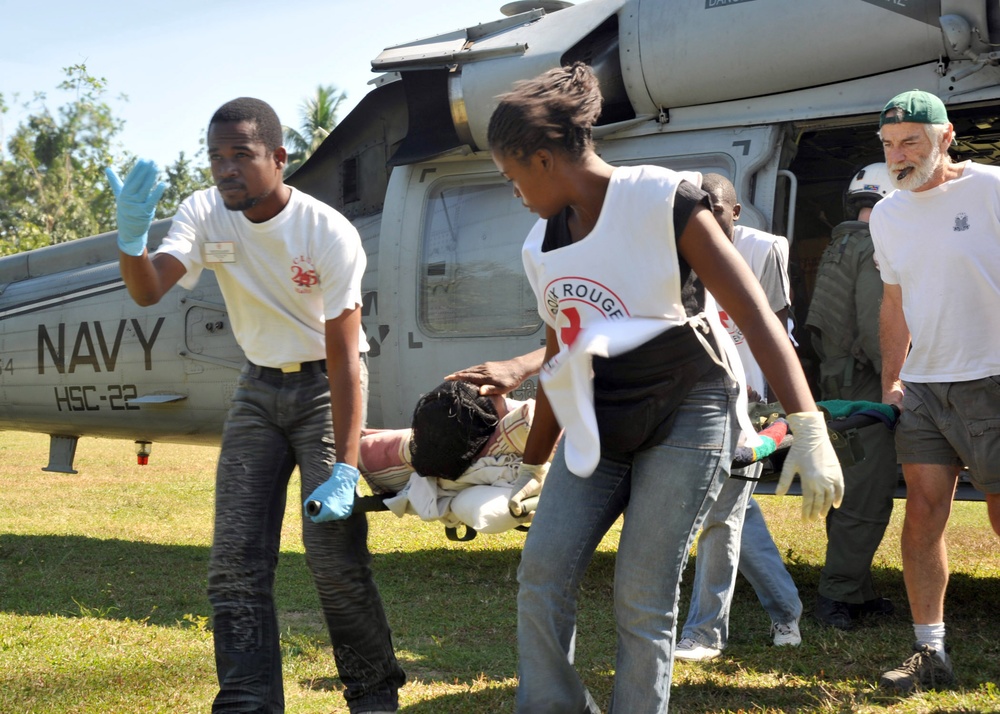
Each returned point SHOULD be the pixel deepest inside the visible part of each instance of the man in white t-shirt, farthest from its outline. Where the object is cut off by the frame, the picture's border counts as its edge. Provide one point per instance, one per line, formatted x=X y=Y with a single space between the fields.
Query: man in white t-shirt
x=937 y=245
x=290 y=269
x=734 y=536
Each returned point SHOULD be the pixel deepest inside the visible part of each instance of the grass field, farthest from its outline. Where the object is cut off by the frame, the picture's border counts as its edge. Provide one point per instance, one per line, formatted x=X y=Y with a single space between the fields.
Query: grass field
x=103 y=606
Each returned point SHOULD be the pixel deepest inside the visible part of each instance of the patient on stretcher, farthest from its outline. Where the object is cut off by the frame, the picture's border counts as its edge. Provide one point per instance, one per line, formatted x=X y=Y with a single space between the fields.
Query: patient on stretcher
x=456 y=463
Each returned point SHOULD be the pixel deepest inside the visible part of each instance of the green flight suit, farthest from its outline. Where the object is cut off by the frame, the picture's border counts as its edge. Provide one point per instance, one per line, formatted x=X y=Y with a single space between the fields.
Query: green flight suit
x=844 y=319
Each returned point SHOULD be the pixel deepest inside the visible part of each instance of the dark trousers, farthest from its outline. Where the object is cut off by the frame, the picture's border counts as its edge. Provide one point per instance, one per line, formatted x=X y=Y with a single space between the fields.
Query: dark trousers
x=278 y=421
x=854 y=531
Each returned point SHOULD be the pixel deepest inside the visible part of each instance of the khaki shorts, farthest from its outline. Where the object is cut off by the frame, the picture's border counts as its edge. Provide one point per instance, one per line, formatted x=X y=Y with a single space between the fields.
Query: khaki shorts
x=953 y=423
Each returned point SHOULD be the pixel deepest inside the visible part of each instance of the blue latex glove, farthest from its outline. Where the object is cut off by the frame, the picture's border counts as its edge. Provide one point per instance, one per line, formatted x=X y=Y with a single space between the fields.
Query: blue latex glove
x=333 y=500
x=137 y=199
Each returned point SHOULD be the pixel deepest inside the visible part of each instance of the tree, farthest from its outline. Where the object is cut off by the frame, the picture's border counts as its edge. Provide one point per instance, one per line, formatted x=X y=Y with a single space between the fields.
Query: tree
x=52 y=186
x=3 y=141
x=183 y=178
x=319 y=117
x=52 y=183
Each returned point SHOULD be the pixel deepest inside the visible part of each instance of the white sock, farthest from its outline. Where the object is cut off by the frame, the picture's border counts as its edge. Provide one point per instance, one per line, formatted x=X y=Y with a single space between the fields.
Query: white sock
x=932 y=635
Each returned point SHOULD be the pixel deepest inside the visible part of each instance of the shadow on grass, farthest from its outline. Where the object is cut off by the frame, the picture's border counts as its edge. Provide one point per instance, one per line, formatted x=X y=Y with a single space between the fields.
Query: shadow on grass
x=453 y=610
x=496 y=700
x=835 y=670
x=117 y=579
x=73 y=576
x=453 y=614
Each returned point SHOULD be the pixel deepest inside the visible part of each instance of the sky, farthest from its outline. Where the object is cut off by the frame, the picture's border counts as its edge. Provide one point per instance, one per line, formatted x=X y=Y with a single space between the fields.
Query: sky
x=179 y=60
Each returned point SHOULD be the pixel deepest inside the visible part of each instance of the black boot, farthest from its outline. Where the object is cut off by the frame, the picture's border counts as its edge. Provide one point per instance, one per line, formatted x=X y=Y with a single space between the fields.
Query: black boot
x=876 y=607
x=833 y=613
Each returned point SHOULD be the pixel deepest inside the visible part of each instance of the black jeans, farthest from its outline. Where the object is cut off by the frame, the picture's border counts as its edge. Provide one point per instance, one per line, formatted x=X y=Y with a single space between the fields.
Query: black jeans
x=278 y=421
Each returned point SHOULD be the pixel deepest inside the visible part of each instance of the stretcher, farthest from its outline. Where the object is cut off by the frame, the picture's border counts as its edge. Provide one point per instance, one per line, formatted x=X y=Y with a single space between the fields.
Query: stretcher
x=459 y=534
x=776 y=438
x=846 y=419
x=844 y=437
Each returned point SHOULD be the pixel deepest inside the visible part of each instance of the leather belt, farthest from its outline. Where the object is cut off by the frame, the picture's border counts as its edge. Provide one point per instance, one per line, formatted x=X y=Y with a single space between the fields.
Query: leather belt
x=314 y=367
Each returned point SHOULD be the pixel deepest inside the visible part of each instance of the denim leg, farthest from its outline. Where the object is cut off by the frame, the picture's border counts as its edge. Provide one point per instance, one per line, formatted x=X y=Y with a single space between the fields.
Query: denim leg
x=276 y=422
x=573 y=516
x=715 y=566
x=252 y=476
x=668 y=490
x=340 y=563
x=762 y=566
x=673 y=485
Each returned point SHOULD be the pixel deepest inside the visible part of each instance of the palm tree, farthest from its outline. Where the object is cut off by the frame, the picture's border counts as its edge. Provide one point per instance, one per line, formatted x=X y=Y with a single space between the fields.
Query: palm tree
x=319 y=117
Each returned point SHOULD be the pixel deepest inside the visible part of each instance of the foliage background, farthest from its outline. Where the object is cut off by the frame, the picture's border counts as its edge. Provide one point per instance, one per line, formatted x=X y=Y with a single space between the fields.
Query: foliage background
x=52 y=183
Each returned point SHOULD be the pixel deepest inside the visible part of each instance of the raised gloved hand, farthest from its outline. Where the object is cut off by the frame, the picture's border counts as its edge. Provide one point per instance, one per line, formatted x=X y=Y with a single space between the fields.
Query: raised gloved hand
x=812 y=457
x=137 y=199
x=333 y=500
x=530 y=478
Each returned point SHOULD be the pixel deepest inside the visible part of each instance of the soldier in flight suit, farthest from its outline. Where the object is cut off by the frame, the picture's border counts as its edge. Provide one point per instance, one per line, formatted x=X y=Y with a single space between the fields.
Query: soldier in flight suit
x=844 y=323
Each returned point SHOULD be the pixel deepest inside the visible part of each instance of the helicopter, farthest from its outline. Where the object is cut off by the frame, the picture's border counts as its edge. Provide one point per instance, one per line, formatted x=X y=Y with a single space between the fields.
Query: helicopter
x=781 y=98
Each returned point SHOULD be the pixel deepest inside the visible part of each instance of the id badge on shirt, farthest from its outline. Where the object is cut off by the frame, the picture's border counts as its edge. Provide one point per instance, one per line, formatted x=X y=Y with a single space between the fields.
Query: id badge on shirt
x=219 y=252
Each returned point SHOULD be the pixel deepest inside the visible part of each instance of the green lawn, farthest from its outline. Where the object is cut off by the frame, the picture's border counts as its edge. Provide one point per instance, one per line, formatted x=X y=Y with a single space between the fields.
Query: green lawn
x=103 y=606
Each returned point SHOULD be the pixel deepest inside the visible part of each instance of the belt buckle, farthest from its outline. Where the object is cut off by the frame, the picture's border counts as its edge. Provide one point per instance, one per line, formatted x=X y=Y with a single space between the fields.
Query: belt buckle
x=291 y=368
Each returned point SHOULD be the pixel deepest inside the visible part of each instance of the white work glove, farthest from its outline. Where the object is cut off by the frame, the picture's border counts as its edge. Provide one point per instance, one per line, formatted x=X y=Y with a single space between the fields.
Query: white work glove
x=530 y=478
x=812 y=457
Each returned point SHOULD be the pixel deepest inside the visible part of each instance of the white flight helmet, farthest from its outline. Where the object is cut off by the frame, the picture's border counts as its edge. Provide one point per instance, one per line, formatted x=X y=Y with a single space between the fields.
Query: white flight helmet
x=868 y=186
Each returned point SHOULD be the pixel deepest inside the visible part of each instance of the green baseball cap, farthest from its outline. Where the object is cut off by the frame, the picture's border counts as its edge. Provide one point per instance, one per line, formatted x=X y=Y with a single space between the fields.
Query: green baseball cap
x=914 y=106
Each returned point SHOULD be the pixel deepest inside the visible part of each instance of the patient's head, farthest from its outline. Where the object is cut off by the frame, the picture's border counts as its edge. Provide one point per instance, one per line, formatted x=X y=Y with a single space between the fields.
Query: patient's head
x=451 y=424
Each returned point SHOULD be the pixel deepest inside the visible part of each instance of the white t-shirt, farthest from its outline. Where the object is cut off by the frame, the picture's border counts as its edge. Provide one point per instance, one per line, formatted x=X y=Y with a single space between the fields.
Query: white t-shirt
x=767 y=256
x=942 y=247
x=279 y=278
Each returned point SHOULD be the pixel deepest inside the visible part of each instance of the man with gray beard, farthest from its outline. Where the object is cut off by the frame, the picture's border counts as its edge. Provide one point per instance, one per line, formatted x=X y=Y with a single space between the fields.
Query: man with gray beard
x=937 y=248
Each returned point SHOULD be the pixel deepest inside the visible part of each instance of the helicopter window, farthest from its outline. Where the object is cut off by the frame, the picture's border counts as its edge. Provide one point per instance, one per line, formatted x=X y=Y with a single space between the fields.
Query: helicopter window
x=472 y=280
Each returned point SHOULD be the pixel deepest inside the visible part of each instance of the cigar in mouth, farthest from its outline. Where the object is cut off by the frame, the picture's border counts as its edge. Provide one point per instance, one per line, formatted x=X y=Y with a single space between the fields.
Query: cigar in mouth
x=904 y=173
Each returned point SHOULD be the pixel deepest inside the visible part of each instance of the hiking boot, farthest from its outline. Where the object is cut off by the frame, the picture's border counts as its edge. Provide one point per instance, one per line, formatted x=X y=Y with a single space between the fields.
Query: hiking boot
x=833 y=613
x=786 y=634
x=694 y=651
x=923 y=670
x=876 y=607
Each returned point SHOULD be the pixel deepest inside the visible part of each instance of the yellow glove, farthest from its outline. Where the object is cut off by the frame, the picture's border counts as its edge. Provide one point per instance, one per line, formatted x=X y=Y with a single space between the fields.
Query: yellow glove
x=812 y=457
x=530 y=478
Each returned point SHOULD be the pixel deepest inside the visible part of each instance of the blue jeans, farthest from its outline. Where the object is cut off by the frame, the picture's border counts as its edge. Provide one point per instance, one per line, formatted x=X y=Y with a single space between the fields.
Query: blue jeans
x=667 y=489
x=735 y=534
x=278 y=421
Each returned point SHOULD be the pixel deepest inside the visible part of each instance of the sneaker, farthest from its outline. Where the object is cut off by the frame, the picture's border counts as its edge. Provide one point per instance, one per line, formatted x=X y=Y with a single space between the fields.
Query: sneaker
x=786 y=634
x=923 y=670
x=693 y=650
x=833 y=613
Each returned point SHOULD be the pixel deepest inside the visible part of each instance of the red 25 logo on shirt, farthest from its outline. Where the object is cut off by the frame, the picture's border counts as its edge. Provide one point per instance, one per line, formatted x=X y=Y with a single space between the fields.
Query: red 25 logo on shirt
x=304 y=275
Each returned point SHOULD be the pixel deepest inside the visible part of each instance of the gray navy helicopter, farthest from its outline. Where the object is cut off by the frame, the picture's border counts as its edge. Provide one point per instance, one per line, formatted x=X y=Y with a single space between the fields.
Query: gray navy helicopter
x=781 y=97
